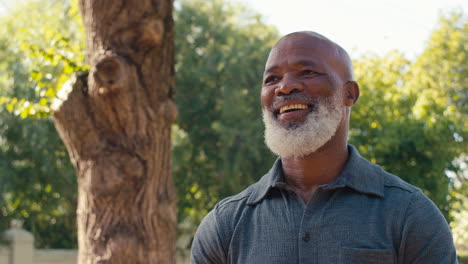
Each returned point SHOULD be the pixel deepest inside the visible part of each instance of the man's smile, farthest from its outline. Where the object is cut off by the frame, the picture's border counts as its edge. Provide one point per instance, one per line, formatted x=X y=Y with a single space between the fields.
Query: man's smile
x=291 y=110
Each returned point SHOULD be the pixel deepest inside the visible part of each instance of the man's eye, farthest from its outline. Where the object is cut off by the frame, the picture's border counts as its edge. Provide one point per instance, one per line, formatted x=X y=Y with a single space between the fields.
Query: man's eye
x=308 y=72
x=271 y=79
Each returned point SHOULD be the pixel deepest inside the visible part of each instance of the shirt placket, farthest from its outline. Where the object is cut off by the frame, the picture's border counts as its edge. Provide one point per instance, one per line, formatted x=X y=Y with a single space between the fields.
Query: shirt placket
x=309 y=236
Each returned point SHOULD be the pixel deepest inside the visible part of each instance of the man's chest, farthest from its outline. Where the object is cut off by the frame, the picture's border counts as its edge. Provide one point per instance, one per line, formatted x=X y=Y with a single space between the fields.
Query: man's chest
x=331 y=230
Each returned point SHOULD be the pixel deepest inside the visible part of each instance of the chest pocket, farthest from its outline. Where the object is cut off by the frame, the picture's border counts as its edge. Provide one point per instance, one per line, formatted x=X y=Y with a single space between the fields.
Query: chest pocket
x=366 y=256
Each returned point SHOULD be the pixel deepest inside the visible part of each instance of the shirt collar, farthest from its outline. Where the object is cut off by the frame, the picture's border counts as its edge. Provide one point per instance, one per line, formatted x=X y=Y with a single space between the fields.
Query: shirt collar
x=268 y=181
x=358 y=174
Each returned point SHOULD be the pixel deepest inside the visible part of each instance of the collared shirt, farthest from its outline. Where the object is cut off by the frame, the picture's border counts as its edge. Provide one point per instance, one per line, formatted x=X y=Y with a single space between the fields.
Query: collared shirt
x=366 y=215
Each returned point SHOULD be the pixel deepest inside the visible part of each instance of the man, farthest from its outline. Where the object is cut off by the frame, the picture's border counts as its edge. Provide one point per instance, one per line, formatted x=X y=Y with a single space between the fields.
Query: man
x=321 y=202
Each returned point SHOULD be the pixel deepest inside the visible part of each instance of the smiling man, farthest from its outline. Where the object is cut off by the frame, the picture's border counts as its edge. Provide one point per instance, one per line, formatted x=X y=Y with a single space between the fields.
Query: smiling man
x=321 y=202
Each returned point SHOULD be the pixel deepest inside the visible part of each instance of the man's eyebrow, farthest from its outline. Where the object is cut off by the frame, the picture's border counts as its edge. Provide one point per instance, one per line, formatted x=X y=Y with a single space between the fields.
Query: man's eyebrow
x=271 y=69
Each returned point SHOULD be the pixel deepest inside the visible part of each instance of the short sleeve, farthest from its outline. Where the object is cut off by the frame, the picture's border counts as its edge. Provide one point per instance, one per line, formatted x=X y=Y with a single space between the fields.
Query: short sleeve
x=207 y=245
x=426 y=236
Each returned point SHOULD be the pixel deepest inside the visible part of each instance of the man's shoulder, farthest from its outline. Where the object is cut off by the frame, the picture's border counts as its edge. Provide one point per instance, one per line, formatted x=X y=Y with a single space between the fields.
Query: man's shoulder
x=214 y=233
x=399 y=192
x=236 y=201
x=367 y=177
x=396 y=183
x=227 y=212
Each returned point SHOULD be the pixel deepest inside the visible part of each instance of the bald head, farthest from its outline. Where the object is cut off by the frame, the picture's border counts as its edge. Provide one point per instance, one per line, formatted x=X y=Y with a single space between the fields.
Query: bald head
x=325 y=47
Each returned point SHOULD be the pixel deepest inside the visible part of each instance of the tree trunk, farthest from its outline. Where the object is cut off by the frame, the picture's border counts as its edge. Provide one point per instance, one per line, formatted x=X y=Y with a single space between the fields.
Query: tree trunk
x=115 y=123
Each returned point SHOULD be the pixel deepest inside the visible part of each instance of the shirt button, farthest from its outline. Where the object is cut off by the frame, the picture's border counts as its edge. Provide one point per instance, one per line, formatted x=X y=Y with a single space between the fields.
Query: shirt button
x=306 y=237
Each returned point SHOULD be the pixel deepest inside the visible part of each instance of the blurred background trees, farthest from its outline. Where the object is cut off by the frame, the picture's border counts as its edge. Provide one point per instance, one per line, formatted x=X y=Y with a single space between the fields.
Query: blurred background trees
x=40 y=45
x=411 y=118
x=221 y=51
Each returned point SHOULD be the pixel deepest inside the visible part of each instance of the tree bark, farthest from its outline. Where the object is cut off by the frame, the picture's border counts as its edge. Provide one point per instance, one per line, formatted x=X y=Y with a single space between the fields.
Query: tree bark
x=115 y=122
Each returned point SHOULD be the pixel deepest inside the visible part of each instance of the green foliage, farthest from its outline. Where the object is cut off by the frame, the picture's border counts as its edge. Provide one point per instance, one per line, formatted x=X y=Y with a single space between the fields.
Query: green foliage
x=459 y=212
x=38 y=50
x=46 y=41
x=37 y=182
x=443 y=68
x=218 y=144
x=410 y=119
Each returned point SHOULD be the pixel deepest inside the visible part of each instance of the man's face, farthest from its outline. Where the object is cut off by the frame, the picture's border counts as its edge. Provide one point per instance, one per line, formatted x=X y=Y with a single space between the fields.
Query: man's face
x=301 y=95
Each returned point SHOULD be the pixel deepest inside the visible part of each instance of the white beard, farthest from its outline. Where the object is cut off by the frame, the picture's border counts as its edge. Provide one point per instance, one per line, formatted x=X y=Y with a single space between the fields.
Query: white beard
x=299 y=140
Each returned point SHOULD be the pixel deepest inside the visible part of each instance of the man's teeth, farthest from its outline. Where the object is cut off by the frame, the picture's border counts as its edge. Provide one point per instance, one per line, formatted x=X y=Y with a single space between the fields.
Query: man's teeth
x=294 y=106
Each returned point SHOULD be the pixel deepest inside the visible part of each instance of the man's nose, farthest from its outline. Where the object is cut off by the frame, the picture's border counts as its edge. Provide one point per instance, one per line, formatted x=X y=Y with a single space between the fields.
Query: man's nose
x=288 y=85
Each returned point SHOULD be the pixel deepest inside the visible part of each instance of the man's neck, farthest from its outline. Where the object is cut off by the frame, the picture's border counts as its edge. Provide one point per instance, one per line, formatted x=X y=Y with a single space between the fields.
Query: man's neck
x=304 y=174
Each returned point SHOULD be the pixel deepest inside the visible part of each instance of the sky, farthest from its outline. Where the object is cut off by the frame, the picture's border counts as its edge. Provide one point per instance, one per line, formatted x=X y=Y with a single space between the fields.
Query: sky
x=361 y=26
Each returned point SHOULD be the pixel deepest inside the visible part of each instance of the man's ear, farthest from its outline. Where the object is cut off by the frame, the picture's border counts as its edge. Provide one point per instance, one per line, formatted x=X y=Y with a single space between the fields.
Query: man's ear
x=351 y=93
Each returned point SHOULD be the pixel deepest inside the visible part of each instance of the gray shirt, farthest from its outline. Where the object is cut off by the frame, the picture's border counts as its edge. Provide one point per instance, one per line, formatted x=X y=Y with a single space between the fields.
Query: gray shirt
x=366 y=215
